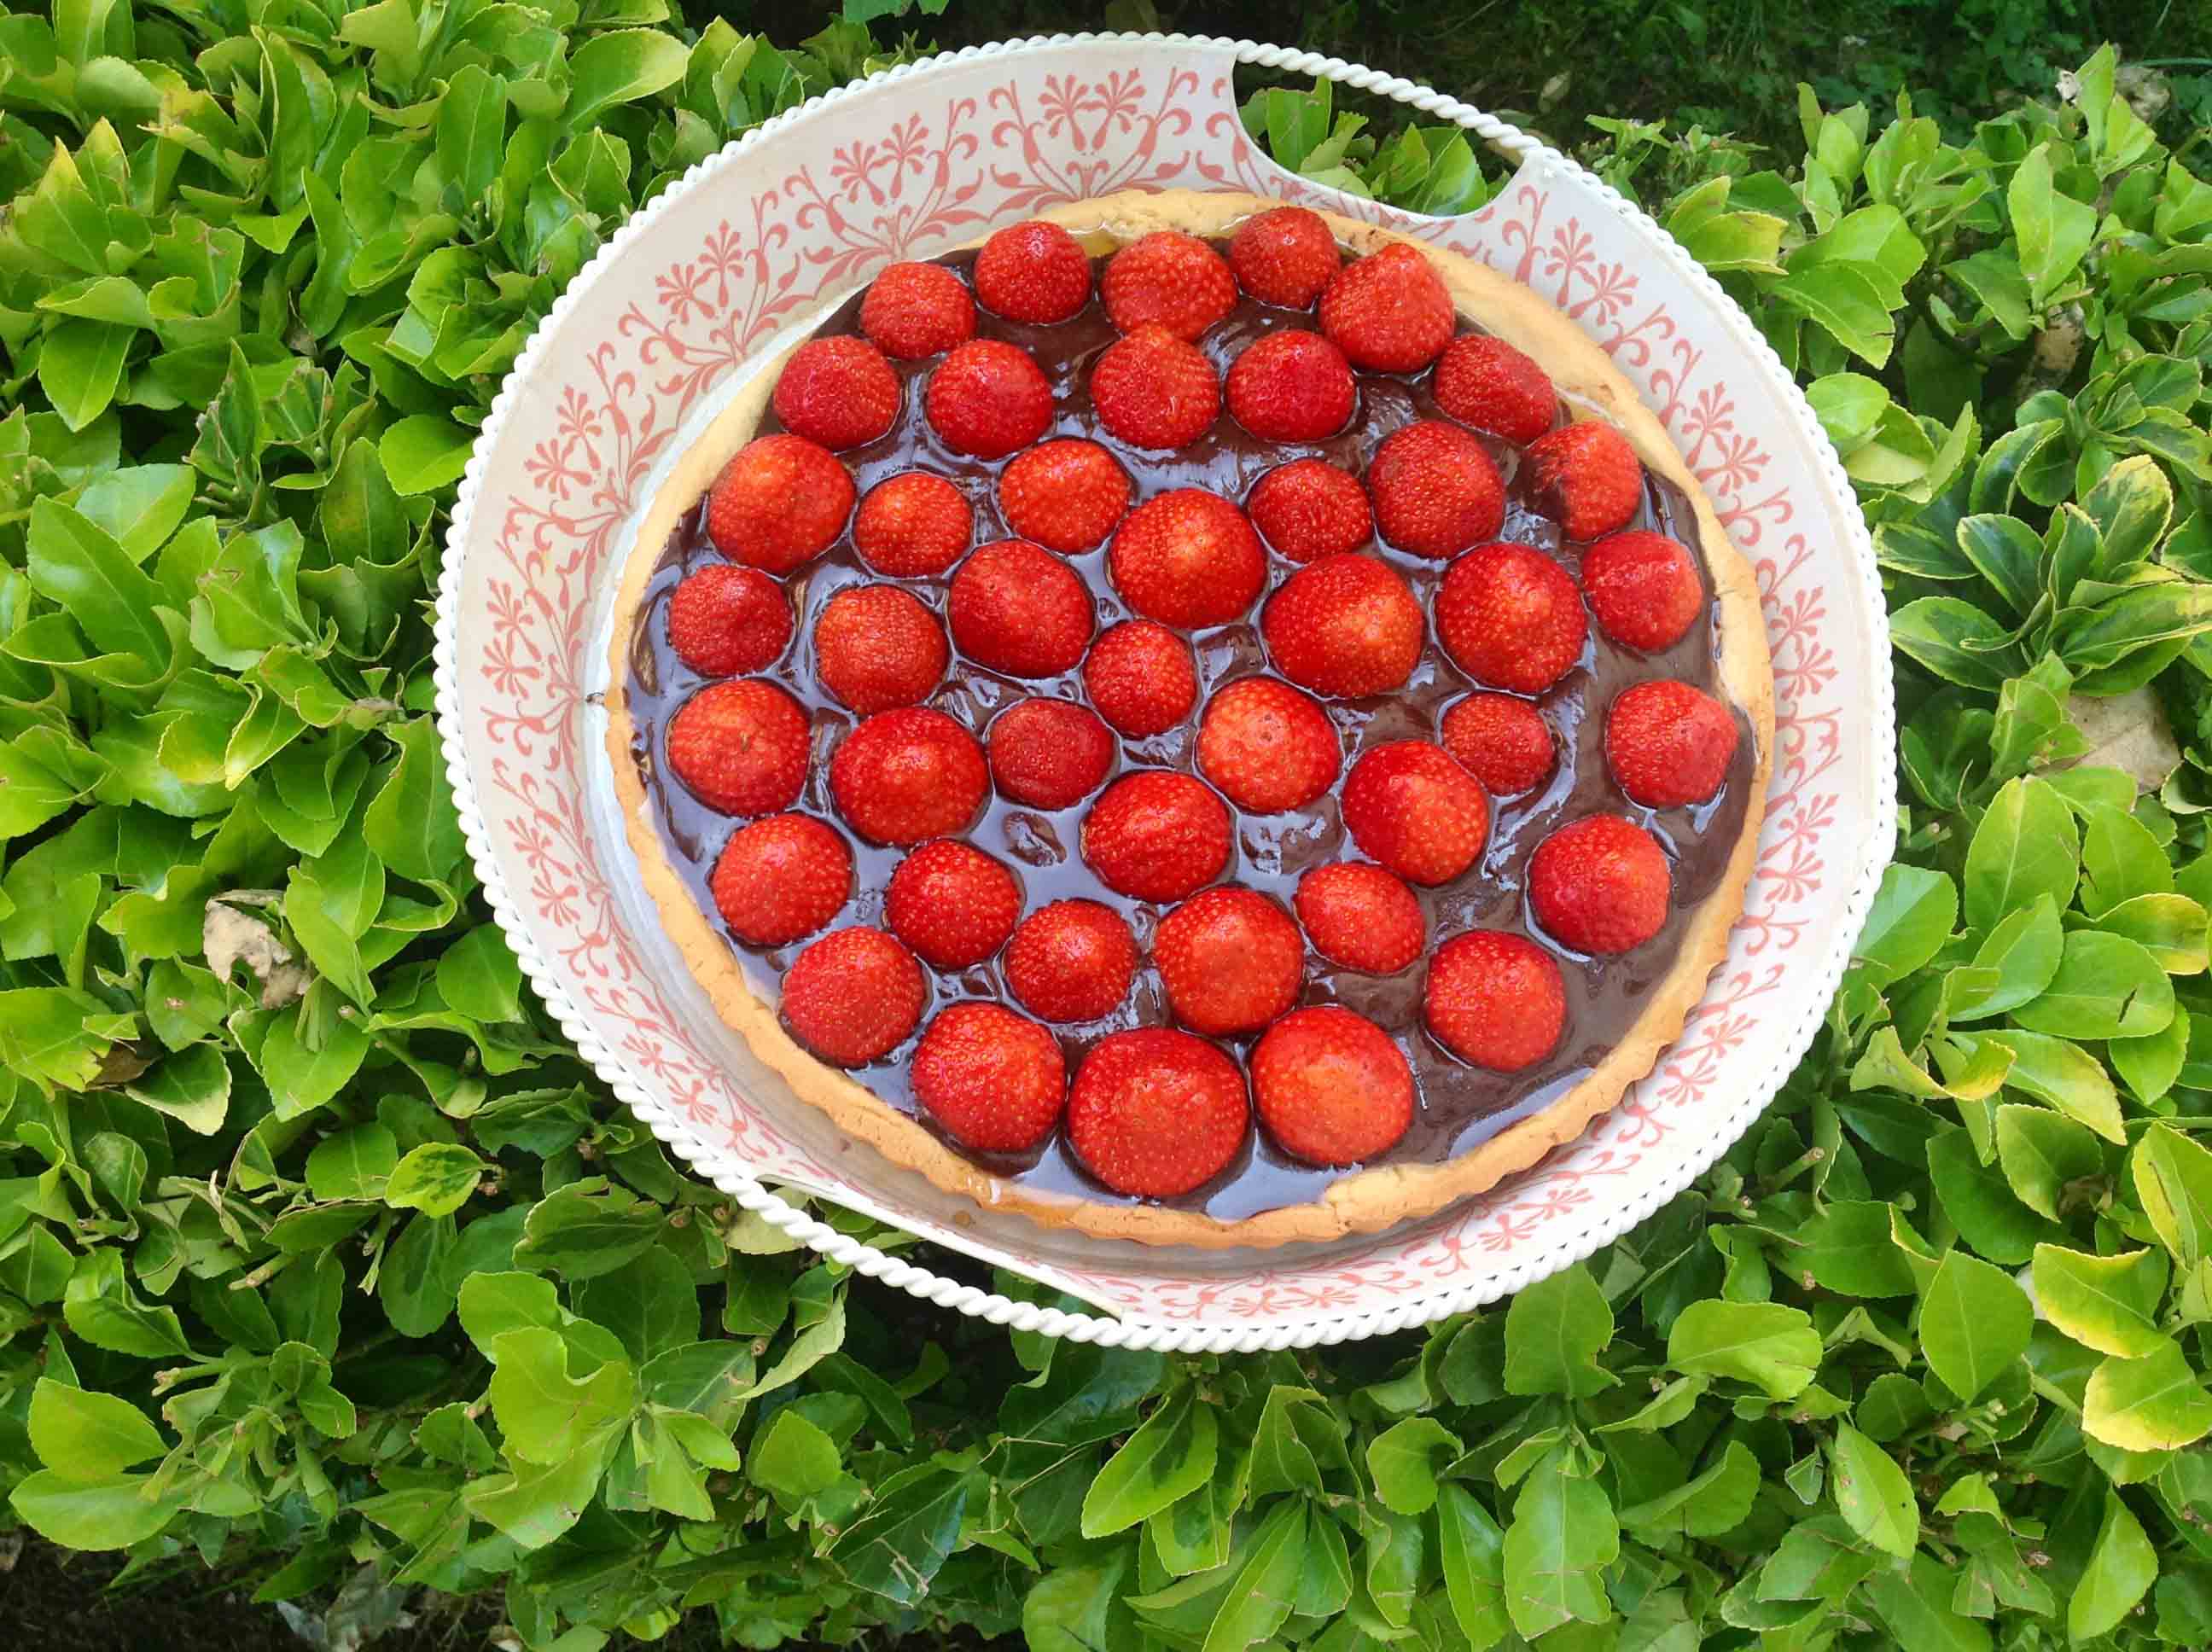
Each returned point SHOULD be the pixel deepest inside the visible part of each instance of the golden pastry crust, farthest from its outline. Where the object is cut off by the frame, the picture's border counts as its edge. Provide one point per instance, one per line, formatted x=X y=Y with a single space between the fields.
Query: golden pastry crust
x=1361 y=1201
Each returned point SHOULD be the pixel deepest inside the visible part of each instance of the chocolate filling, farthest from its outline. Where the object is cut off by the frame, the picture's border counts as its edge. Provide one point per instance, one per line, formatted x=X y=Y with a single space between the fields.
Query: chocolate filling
x=1460 y=1106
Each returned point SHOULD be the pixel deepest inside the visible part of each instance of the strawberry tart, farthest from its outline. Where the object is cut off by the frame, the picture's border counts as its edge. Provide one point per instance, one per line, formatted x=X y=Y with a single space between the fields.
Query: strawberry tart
x=1195 y=721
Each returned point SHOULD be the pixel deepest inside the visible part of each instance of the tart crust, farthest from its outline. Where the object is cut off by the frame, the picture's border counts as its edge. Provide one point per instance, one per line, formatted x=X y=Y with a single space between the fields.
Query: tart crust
x=1360 y=1201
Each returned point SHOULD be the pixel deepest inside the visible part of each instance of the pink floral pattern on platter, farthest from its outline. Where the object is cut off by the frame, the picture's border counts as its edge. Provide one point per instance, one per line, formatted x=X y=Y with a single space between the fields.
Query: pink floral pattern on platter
x=917 y=184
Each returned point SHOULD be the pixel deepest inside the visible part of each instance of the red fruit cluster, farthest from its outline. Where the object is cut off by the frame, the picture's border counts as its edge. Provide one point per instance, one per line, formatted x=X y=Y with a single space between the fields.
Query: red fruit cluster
x=853 y=996
x=1286 y=255
x=1049 y=753
x=1157 y=836
x=1188 y=559
x=1067 y=495
x=1292 y=386
x=1502 y=742
x=1408 y=805
x=1346 y=626
x=912 y=525
x=952 y=904
x=876 y=646
x=1599 y=885
x=1587 y=477
x=1017 y=608
x=1071 y=961
x=1361 y=917
x=1310 y=508
x=1485 y=382
x=1668 y=744
x=1156 y=1112
x=724 y=620
x=1140 y=679
x=913 y=310
x=839 y=391
x=905 y=776
x=988 y=398
x=1510 y=619
x=740 y=747
x=1644 y=588
x=1035 y=272
x=780 y=879
x=1388 y=311
x=779 y=502
x=1231 y=959
x=1154 y=390
x=992 y=1080
x=1269 y=747
x=1436 y=490
x=1331 y=1087
x=1495 y=999
x=1170 y=280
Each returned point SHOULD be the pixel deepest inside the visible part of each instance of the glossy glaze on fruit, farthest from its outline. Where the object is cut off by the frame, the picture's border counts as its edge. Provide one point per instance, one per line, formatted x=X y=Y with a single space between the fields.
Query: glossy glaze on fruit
x=1459 y=1106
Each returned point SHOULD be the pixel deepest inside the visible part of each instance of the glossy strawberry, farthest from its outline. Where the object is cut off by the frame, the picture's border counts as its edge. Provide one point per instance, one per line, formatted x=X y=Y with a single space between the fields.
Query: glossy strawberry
x=876 y=646
x=1502 y=742
x=1408 y=805
x=1035 y=271
x=1486 y=383
x=1188 y=559
x=952 y=903
x=839 y=391
x=1269 y=747
x=992 y=1079
x=780 y=879
x=1510 y=619
x=1153 y=390
x=740 y=747
x=1601 y=885
x=913 y=310
x=1168 y=279
x=779 y=502
x=1346 y=626
x=1362 y=918
x=1644 y=588
x=1292 y=386
x=1331 y=1087
x=988 y=398
x=1049 y=753
x=1140 y=679
x=1586 y=477
x=1436 y=491
x=1668 y=744
x=1495 y=999
x=912 y=525
x=1231 y=959
x=1156 y=1113
x=1286 y=255
x=853 y=996
x=905 y=776
x=1071 y=961
x=1017 y=608
x=1310 y=508
x=1067 y=495
x=1388 y=311
x=724 y=620
x=1157 y=836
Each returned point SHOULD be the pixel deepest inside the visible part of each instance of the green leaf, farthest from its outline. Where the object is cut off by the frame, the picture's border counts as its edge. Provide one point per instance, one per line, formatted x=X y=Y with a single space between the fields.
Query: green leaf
x=79 y=365
x=895 y=1547
x=1403 y=1460
x=2156 y=1403
x=1472 y=1549
x=2043 y=1155
x=2106 y=1303
x=1914 y=1603
x=2026 y=845
x=435 y=1178
x=1848 y=1248
x=1974 y=1322
x=84 y=568
x=2066 y=1076
x=2122 y=1568
x=2107 y=987
x=793 y=1459
x=81 y=1435
x=424 y=452
x=1771 y=1347
x=354 y=1163
x=2172 y=929
x=1563 y=1536
x=1554 y=1331
x=621 y=67
x=1846 y=301
x=1872 y=1492
x=2054 y=230
x=1170 y=1456
x=2172 y=1177
x=111 y=1512
x=1958 y=641
x=587 y=1228
x=2120 y=860
x=545 y=1414
x=1911 y=918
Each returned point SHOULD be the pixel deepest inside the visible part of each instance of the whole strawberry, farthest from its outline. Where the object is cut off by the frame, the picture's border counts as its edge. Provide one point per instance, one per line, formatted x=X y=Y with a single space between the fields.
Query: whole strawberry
x=1408 y=805
x=1510 y=619
x=1170 y=280
x=1495 y=999
x=1155 y=1113
x=912 y=525
x=1331 y=1087
x=853 y=996
x=988 y=398
x=1152 y=388
x=1286 y=255
x=1486 y=383
x=1035 y=271
x=779 y=502
x=1049 y=753
x=1067 y=495
x=905 y=776
x=1017 y=608
x=1140 y=679
x=952 y=903
x=1599 y=885
x=1310 y=508
x=1435 y=489
x=1502 y=742
x=1269 y=747
x=1232 y=961
x=724 y=620
x=1362 y=918
x=876 y=646
x=1157 y=836
x=1388 y=311
x=1586 y=477
x=992 y=1080
x=780 y=879
x=839 y=391
x=1345 y=626
x=1188 y=559
x=1292 y=386
x=913 y=310
x=740 y=747
x=1668 y=744
x=1071 y=961
x=1644 y=588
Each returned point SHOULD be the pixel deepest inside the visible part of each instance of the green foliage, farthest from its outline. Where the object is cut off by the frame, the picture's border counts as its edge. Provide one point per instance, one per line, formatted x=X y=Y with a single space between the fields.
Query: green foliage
x=319 y=1247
